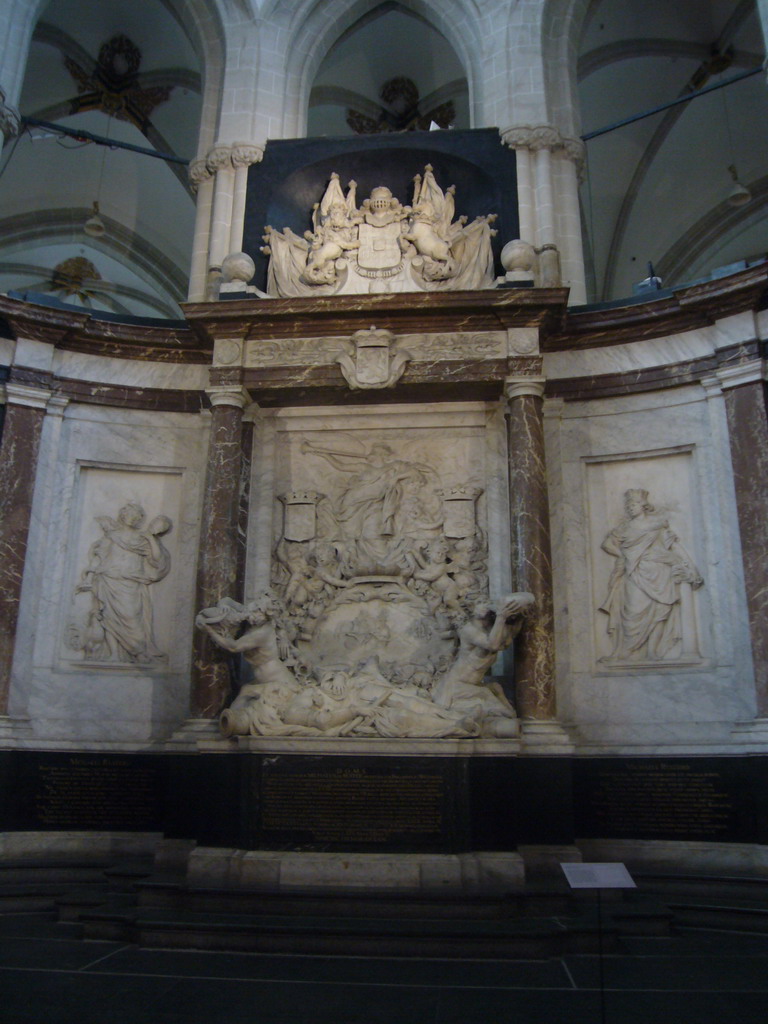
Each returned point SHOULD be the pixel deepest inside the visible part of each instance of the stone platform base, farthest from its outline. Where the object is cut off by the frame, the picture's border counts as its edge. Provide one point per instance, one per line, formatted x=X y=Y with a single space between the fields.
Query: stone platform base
x=266 y=869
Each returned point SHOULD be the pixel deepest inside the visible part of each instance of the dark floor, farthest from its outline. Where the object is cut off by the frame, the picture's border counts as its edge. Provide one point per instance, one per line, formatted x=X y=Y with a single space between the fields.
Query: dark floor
x=48 y=975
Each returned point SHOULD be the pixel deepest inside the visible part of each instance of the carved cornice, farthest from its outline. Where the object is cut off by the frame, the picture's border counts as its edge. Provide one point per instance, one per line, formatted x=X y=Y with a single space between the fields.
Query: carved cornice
x=685 y=309
x=23 y=394
x=75 y=331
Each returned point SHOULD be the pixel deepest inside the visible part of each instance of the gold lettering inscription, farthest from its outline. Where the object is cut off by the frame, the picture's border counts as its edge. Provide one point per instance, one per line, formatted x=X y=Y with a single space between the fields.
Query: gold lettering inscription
x=81 y=793
x=352 y=804
x=675 y=800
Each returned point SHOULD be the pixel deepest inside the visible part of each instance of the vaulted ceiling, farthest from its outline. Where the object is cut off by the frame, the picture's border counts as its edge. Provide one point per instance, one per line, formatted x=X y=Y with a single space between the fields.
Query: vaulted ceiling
x=126 y=72
x=657 y=189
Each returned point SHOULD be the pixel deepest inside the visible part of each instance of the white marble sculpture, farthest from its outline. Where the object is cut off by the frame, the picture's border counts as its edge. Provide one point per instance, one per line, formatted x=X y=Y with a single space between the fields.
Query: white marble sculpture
x=122 y=566
x=383 y=246
x=290 y=698
x=379 y=622
x=645 y=591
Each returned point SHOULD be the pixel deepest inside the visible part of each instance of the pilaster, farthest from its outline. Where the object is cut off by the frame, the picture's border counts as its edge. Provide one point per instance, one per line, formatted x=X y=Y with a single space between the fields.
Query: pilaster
x=218 y=546
x=530 y=546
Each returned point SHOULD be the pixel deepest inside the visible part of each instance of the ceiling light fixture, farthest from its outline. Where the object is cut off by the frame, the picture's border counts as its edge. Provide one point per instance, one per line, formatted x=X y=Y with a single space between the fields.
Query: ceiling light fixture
x=95 y=226
x=739 y=194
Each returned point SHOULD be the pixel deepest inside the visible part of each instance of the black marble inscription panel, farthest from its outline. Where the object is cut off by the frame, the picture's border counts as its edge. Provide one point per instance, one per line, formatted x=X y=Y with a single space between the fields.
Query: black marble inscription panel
x=59 y=791
x=355 y=803
x=719 y=799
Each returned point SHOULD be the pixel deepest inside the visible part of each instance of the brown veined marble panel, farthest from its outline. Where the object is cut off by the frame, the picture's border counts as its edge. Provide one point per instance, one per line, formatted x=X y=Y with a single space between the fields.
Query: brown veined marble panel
x=157 y=399
x=403 y=312
x=686 y=309
x=18 y=465
x=531 y=557
x=218 y=559
x=748 y=429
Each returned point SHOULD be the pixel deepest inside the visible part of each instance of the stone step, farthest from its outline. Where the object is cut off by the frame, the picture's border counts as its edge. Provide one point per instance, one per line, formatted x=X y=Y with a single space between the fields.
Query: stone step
x=349 y=936
x=365 y=903
x=690 y=914
x=727 y=887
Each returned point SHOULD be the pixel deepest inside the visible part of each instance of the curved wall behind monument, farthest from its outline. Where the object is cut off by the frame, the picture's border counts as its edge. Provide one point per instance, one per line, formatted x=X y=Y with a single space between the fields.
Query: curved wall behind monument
x=660 y=403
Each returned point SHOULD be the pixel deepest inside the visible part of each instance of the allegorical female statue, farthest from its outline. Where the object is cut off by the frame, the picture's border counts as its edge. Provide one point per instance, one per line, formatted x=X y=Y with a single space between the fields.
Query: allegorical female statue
x=122 y=565
x=643 y=603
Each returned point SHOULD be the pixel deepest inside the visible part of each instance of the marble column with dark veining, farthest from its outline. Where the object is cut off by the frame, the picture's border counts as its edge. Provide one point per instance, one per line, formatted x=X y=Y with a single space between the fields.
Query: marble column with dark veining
x=218 y=559
x=24 y=415
x=748 y=430
x=531 y=550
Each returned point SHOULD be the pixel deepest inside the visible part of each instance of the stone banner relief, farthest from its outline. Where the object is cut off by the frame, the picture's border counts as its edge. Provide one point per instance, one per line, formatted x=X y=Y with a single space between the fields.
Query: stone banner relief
x=648 y=607
x=383 y=246
x=378 y=622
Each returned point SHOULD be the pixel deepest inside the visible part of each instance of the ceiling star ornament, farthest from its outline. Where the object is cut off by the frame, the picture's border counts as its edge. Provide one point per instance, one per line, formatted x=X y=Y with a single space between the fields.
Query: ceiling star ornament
x=112 y=84
x=400 y=112
x=76 y=277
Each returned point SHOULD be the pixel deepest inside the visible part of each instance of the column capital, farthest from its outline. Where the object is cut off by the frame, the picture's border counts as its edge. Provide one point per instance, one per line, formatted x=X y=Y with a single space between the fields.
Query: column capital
x=743 y=373
x=246 y=153
x=198 y=173
x=56 y=405
x=514 y=387
x=219 y=159
x=229 y=395
x=24 y=394
x=535 y=137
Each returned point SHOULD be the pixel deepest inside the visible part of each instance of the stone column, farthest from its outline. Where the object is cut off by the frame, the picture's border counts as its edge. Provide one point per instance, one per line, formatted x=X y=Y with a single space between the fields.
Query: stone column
x=24 y=415
x=744 y=391
x=570 y=160
x=243 y=155
x=218 y=557
x=526 y=206
x=531 y=555
x=202 y=182
x=548 y=166
x=219 y=163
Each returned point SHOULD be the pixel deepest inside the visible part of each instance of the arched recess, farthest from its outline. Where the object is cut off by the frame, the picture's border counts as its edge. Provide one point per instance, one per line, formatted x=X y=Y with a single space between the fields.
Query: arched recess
x=391 y=71
x=199 y=19
x=145 y=91
x=316 y=26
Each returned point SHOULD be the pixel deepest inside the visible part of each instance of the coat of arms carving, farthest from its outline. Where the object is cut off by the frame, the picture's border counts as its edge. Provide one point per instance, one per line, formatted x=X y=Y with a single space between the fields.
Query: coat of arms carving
x=382 y=246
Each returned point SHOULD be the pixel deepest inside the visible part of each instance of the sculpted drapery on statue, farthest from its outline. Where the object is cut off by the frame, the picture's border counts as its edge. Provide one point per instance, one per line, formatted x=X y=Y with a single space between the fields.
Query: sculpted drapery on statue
x=122 y=565
x=382 y=246
x=644 y=599
x=379 y=623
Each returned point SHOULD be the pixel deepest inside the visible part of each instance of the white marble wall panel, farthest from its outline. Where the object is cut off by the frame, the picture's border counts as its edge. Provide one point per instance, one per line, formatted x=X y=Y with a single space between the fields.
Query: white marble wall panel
x=133 y=373
x=675 y=446
x=642 y=355
x=105 y=458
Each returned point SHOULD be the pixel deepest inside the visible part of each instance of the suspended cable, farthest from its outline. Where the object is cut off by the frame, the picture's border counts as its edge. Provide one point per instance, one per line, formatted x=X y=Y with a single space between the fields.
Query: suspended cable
x=83 y=136
x=672 y=103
